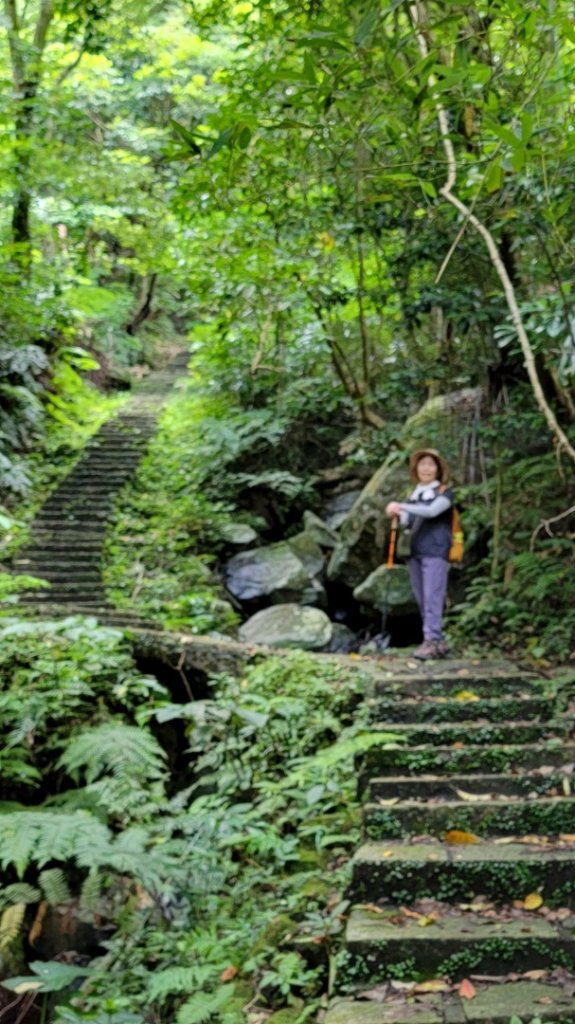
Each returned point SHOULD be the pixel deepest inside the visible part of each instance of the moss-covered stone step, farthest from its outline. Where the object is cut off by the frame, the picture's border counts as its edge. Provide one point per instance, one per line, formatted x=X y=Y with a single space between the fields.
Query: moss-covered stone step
x=519 y=707
x=481 y=733
x=402 y=871
x=548 y=1002
x=444 y=787
x=481 y=682
x=498 y=758
x=489 y=817
x=379 y=945
x=68 y=595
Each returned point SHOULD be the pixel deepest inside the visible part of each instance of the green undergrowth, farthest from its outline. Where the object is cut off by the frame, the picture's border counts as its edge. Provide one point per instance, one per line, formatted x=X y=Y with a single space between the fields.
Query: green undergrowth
x=198 y=900
x=165 y=522
x=168 y=538
x=521 y=595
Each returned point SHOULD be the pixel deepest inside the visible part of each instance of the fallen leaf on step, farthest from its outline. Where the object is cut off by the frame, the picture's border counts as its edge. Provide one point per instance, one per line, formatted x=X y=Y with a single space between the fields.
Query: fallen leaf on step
x=567 y=837
x=388 y=803
x=466 y=695
x=566 y=786
x=504 y=840
x=435 y=985
x=371 y=908
x=535 y=975
x=377 y=994
x=228 y=974
x=467 y=990
x=410 y=913
x=457 y=837
x=388 y=853
x=533 y=901
x=471 y=797
x=427 y=919
x=546 y=1000
x=477 y=906
x=458 y=745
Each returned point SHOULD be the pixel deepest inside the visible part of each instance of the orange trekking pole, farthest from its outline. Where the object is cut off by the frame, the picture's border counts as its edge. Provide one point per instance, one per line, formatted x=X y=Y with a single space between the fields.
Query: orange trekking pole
x=385 y=637
x=392 y=542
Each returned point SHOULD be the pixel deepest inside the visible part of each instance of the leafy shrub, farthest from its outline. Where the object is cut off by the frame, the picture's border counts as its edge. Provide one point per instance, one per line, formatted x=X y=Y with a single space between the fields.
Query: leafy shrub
x=208 y=888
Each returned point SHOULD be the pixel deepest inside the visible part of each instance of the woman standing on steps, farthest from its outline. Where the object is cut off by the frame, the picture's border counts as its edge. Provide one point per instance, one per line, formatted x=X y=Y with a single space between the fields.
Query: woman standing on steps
x=428 y=513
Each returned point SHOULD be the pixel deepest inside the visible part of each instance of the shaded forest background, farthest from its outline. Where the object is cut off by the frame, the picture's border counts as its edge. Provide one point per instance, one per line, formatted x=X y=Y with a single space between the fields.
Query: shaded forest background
x=343 y=210
x=268 y=181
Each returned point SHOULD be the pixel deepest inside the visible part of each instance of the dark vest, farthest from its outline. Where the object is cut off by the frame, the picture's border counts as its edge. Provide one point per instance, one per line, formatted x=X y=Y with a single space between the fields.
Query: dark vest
x=431 y=538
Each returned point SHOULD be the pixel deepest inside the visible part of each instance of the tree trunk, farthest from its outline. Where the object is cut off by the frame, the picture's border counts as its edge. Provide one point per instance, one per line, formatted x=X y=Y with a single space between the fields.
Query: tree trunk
x=26 y=78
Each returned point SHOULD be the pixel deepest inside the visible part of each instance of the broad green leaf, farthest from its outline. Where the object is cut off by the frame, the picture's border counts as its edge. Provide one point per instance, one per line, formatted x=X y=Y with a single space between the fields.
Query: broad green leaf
x=494 y=177
x=366 y=27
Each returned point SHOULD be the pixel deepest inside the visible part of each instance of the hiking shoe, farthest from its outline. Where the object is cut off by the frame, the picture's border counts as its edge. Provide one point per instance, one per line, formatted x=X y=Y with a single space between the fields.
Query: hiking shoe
x=442 y=649
x=428 y=649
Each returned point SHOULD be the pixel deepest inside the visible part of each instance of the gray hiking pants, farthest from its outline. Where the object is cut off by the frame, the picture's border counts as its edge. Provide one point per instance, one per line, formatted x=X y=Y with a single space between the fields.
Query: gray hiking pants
x=429 y=583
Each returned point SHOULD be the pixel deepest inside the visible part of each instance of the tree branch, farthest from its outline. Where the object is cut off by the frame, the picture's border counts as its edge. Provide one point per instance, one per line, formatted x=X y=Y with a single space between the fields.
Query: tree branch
x=419 y=18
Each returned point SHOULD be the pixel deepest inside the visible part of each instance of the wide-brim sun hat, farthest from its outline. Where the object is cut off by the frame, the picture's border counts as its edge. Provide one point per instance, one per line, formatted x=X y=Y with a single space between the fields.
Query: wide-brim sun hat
x=420 y=454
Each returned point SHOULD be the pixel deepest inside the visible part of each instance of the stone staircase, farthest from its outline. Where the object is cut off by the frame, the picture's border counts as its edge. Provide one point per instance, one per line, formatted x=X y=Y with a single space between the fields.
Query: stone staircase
x=68 y=534
x=463 y=893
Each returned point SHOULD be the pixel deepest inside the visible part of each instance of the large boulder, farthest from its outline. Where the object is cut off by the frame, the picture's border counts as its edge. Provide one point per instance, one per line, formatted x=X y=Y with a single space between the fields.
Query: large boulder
x=363 y=534
x=443 y=422
x=288 y=625
x=388 y=590
x=274 y=573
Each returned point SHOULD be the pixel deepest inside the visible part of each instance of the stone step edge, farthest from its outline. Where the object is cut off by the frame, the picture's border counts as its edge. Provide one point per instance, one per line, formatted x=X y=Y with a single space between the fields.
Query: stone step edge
x=492 y=1004
x=491 y=782
x=386 y=852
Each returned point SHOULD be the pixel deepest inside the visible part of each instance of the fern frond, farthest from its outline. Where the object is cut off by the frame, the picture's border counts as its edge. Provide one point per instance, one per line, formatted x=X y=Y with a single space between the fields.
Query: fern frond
x=38 y=837
x=19 y=892
x=54 y=886
x=204 y=1005
x=10 y=924
x=91 y=891
x=114 y=748
x=171 y=981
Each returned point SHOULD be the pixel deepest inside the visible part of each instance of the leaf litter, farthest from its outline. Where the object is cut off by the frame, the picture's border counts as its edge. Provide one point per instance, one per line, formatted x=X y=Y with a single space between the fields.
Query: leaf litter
x=405 y=993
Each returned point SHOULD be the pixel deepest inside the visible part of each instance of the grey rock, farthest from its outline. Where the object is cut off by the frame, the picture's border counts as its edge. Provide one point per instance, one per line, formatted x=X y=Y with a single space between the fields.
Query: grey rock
x=343 y=639
x=388 y=590
x=308 y=552
x=288 y=625
x=273 y=572
x=319 y=531
x=337 y=508
x=239 y=534
x=364 y=532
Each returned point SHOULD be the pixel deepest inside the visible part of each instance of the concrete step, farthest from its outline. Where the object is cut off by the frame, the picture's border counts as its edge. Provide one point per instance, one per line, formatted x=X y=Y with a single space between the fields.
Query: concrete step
x=78 y=577
x=64 y=595
x=482 y=733
x=62 y=503
x=497 y=758
x=444 y=683
x=47 y=561
x=520 y=706
x=444 y=787
x=403 y=871
x=494 y=816
x=547 y=1001
x=81 y=515
x=77 y=539
x=453 y=945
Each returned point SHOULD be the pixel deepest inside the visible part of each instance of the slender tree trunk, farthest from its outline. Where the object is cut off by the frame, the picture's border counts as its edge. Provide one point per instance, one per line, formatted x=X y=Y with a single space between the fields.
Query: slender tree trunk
x=26 y=65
